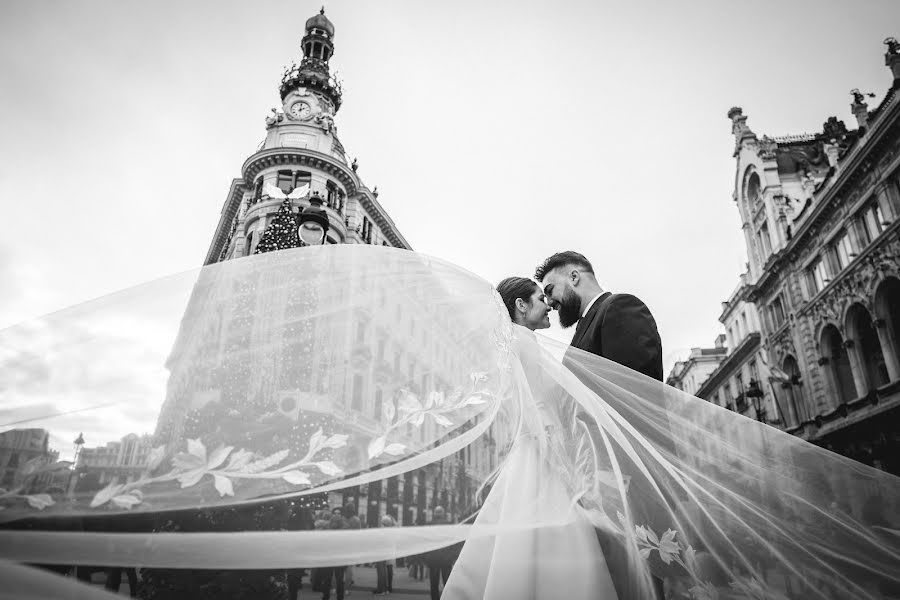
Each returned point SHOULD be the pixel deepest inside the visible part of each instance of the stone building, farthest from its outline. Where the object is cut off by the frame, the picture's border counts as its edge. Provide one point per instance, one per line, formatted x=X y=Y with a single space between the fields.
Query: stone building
x=122 y=461
x=820 y=214
x=25 y=450
x=687 y=375
x=360 y=368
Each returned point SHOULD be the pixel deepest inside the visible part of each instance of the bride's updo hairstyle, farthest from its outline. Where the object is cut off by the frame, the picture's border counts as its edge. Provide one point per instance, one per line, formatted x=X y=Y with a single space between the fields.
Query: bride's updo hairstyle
x=512 y=288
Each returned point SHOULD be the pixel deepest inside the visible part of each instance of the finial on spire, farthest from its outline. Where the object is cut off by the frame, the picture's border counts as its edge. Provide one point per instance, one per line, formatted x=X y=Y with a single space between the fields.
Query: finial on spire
x=322 y=11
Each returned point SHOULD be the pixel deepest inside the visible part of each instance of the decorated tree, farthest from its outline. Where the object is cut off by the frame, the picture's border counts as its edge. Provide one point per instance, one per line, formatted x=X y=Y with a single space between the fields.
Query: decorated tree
x=281 y=233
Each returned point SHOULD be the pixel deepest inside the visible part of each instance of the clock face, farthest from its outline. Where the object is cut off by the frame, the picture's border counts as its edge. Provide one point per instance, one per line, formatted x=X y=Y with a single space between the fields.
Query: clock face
x=300 y=110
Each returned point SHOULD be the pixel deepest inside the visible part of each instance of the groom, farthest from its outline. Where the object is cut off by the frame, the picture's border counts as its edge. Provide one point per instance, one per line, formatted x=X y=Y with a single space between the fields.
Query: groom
x=615 y=326
x=618 y=327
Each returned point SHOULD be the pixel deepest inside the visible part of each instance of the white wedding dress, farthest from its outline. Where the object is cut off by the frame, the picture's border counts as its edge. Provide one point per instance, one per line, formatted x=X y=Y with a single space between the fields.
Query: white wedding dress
x=560 y=557
x=252 y=388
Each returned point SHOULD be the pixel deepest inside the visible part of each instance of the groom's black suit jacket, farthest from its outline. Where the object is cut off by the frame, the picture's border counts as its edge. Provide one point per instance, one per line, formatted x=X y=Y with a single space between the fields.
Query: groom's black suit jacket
x=619 y=327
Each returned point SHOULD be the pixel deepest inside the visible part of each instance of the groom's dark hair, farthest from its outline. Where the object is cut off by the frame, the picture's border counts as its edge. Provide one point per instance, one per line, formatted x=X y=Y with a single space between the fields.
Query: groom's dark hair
x=561 y=259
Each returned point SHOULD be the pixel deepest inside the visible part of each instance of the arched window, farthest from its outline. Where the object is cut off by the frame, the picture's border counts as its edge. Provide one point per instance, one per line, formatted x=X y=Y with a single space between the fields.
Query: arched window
x=838 y=363
x=752 y=191
x=862 y=331
x=249 y=244
x=887 y=314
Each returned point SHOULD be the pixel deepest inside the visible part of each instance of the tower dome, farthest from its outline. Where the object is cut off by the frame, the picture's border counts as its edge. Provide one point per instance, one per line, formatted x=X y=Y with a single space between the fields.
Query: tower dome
x=320 y=21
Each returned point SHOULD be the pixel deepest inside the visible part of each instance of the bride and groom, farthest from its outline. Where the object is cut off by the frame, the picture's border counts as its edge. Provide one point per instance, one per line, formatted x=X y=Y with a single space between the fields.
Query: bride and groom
x=570 y=559
x=618 y=327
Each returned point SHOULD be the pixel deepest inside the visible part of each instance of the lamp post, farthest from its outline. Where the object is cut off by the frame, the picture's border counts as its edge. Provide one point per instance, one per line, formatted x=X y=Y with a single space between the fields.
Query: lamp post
x=79 y=442
x=313 y=222
x=756 y=394
x=73 y=474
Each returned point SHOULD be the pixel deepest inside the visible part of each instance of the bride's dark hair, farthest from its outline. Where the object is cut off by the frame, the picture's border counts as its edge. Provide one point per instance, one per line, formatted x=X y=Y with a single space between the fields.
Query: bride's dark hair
x=512 y=288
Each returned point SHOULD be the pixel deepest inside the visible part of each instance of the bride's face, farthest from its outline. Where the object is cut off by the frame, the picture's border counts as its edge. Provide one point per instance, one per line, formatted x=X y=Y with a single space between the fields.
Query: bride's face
x=537 y=313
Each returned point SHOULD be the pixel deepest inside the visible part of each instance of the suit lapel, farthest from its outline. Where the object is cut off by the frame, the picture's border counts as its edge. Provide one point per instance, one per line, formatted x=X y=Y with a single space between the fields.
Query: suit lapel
x=585 y=323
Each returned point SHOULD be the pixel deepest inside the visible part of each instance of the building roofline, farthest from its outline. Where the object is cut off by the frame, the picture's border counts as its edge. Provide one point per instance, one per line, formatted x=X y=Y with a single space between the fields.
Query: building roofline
x=747 y=346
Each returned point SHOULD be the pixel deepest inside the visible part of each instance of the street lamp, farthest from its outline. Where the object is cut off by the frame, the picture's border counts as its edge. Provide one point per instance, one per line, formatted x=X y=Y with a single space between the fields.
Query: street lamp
x=754 y=392
x=73 y=474
x=79 y=442
x=313 y=222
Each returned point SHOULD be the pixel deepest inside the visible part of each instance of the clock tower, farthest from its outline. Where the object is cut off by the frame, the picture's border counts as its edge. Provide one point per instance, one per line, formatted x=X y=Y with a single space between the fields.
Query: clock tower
x=301 y=149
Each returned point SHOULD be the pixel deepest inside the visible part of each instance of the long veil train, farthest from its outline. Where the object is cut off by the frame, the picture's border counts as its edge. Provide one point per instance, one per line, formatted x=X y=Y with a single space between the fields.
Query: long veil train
x=219 y=408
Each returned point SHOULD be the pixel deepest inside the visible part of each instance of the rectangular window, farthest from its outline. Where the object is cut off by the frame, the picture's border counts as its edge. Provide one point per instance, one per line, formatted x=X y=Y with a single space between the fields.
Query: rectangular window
x=843 y=250
x=874 y=221
x=777 y=312
x=818 y=276
x=361 y=332
x=285 y=181
x=378 y=403
x=357 y=392
x=765 y=241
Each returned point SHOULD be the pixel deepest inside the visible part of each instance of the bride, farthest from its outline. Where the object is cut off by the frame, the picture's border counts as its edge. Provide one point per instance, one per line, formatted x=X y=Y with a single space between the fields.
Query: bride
x=217 y=410
x=562 y=558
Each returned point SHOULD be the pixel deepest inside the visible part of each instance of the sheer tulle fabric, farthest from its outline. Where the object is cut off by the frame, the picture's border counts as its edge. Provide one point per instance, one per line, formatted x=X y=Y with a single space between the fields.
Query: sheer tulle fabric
x=280 y=378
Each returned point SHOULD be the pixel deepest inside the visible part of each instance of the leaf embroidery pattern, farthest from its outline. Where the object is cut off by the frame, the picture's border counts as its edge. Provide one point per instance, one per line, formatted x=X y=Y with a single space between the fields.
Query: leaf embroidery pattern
x=225 y=465
x=436 y=405
x=670 y=551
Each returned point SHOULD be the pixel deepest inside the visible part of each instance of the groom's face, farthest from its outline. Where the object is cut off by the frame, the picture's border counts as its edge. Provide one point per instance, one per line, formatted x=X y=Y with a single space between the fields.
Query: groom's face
x=561 y=296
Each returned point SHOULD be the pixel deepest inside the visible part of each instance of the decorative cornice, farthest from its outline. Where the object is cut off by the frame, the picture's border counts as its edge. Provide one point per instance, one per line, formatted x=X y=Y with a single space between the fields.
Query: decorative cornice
x=852 y=168
x=274 y=157
x=747 y=346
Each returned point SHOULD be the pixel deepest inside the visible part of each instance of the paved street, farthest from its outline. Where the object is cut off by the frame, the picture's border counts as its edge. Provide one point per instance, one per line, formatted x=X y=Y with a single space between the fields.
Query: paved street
x=405 y=588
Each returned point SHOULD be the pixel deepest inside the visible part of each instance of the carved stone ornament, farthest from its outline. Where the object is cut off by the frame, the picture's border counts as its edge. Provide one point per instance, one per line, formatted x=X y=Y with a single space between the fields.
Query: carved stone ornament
x=767 y=148
x=848 y=343
x=326 y=122
x=823 y=360
x=859 y=285
x=275 y=118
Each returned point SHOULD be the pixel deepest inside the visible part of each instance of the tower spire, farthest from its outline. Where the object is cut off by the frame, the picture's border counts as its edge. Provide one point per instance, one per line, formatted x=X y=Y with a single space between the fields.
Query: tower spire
x=313 y=71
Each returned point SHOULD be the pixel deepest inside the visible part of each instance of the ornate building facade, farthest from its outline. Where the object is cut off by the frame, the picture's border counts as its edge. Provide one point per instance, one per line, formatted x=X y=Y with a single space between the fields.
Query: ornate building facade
x=819 y=354
x=360 y=368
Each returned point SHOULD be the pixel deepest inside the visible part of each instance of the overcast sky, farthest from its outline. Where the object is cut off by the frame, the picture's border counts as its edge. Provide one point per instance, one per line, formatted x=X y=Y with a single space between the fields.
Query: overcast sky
x=497 y=132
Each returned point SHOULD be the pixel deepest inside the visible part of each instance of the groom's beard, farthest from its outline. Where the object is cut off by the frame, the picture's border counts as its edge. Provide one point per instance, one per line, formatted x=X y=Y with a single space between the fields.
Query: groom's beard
x=569 y=309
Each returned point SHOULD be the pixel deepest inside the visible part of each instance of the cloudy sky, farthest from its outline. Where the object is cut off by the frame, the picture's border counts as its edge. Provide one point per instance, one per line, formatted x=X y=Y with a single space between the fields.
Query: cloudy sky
x=497 y=133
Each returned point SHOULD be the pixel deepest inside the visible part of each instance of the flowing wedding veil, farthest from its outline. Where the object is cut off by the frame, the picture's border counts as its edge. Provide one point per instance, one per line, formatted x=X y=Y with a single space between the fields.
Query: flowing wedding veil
x=218 y=405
